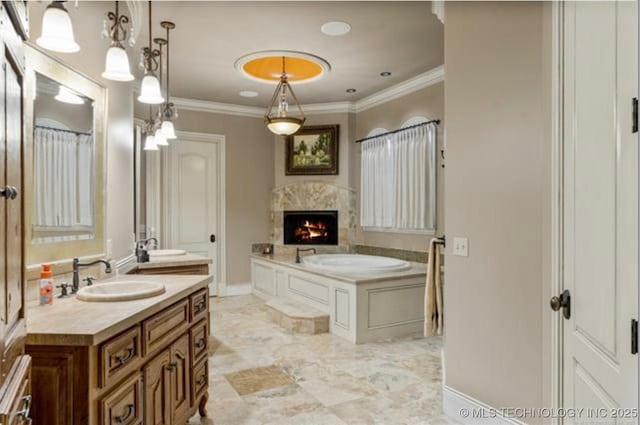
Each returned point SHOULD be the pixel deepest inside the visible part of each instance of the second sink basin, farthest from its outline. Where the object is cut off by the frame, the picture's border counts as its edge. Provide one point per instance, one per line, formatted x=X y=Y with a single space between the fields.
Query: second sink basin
x=166 y=252
x=120 y=291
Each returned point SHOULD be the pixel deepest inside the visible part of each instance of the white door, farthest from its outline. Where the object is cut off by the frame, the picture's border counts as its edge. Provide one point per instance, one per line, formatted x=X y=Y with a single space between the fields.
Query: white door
x=600 y=189
x=192 y=198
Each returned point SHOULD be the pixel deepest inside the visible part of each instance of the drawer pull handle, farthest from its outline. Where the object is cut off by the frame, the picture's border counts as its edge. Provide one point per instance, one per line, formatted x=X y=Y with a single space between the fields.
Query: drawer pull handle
x=202 y=380
x=200 y=306
x=26 y=410
x=123 y=419
x=120 y=360
x=201 y=343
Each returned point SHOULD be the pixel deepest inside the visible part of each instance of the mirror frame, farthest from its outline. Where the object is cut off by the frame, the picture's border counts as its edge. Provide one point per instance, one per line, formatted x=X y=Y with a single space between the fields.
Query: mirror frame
x=40 y=62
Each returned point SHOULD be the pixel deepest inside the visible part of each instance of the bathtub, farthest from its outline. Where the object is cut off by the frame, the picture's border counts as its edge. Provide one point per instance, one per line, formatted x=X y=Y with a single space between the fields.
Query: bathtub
x=355 y=264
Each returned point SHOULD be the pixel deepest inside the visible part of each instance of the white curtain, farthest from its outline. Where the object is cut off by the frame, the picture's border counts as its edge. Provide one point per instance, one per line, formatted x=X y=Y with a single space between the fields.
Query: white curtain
x=398 y=180
x=63 y=168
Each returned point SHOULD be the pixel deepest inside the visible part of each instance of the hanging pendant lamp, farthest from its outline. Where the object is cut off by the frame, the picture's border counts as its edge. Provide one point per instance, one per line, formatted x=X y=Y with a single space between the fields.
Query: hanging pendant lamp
x=57 y=30
x=280 y=122
x=117 y=62
x=150 y=92
x=168 y=112
x=150 y=143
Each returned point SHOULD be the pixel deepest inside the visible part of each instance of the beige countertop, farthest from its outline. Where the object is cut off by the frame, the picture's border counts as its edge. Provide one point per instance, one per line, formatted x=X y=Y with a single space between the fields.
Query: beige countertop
x=70 y=321
x=416 y=270
x=174 y=261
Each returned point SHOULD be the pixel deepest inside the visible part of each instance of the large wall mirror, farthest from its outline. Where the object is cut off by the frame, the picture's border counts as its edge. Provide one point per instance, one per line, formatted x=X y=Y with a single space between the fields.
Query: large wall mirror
x=64 y=127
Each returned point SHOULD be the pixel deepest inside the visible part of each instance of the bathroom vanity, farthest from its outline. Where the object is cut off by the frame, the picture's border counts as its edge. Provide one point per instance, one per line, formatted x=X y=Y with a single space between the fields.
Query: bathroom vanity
x=133 y=362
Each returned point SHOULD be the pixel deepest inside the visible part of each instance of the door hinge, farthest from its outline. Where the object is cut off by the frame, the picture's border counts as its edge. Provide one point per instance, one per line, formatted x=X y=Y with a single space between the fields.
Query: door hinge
x=634 y=118
x=634 y=336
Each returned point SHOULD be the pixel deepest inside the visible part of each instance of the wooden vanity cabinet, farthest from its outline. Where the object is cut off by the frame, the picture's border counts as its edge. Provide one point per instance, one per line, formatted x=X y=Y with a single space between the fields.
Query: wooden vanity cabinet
x=15 y=369
x=148 y=374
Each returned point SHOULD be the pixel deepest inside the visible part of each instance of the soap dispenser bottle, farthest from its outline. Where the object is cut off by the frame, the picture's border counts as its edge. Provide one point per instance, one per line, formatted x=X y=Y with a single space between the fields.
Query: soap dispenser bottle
x=46 y=285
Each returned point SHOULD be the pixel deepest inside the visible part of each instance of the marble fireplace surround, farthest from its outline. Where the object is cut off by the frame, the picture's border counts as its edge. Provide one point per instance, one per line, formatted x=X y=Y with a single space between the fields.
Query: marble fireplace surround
x=320 y=196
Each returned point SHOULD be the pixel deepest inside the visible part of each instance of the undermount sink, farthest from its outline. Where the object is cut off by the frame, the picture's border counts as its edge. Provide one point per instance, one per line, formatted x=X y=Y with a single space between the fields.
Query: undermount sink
x=166 y=252
x=120 y=291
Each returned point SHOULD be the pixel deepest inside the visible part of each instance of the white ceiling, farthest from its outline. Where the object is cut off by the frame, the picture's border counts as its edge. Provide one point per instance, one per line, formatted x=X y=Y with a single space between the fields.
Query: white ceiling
x=402 y=37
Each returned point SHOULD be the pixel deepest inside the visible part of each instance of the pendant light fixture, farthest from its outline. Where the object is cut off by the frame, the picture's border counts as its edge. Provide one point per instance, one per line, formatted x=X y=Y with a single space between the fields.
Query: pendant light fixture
x=150 y=139
x=117 y=62
x=168 y=110
x=150 y=92
x=57 y=30
x=281 y=123
x=159 y=137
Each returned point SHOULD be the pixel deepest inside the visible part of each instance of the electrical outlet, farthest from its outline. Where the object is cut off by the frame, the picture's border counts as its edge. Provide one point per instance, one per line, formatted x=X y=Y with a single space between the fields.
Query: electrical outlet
x=461 y=247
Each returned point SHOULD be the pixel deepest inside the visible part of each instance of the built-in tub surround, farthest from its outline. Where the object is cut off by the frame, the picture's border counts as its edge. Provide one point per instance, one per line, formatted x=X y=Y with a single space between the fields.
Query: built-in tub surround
x=362 y=307
x=314 y=196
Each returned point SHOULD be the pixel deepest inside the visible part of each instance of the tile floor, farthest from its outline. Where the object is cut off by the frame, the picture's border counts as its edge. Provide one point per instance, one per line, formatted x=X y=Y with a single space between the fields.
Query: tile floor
x=263 y=375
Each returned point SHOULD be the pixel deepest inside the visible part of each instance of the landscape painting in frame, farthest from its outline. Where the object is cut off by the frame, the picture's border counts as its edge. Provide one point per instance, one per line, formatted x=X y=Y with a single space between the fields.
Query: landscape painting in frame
x=313 y=151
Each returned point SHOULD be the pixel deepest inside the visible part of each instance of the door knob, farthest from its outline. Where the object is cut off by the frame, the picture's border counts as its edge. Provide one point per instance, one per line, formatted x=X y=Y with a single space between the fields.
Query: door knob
x=562 y=302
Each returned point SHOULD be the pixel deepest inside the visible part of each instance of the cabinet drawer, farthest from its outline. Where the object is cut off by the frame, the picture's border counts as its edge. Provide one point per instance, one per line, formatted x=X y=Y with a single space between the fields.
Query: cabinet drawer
x=119 y=356
x=15 y=406
x=164 y=327
x=123 y=406
x=199 y=305
x=199 y=380
x=199 y=341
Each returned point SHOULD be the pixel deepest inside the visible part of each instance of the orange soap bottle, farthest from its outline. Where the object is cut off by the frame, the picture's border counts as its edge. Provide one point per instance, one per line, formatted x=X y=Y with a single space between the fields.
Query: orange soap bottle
x=46 y=285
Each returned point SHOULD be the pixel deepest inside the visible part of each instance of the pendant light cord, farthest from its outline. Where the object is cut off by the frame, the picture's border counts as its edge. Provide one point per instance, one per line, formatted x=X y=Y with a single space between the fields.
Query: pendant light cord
x=168 y=45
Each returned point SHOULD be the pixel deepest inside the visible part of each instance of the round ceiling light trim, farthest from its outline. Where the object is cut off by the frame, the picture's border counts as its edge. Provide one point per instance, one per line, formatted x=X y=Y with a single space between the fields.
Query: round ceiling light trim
x=266 y=66
x=335 y=28
x=248 y=93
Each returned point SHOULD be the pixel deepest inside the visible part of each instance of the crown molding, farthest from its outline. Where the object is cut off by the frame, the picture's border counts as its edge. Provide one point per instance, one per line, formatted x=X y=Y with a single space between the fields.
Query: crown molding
x=419 y=82
x=426 y=79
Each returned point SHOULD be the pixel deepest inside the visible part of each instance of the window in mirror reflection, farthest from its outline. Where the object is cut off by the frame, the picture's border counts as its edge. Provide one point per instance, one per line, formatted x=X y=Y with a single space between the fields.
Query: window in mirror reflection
x=63 y=154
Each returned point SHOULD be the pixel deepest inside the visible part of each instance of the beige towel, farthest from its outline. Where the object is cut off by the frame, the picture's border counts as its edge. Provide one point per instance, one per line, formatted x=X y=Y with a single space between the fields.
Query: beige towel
x=433 y=293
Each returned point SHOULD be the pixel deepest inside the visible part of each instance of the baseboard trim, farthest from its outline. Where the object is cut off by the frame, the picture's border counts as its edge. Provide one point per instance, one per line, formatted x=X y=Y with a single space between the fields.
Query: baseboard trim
x=453 y=402
x=243 y=288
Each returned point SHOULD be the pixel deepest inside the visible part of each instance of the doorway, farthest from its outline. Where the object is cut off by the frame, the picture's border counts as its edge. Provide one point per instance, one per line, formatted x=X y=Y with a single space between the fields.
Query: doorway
x=194 y=199
x=596 y=210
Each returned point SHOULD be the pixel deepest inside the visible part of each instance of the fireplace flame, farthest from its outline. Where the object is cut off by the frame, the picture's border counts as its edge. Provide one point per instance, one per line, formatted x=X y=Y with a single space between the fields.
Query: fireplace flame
x=311 y=230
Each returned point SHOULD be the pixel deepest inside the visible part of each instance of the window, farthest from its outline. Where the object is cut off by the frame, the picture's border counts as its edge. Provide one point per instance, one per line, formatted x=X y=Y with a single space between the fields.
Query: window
x=398 y=179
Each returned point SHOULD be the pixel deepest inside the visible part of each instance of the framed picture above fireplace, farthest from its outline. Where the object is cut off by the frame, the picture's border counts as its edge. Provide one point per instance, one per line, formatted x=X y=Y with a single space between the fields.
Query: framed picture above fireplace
x=310 y=227
x=313 y=151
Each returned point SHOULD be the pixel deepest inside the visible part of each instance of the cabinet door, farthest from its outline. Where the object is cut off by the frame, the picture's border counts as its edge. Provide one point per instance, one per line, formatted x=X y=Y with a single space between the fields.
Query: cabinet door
x=180 y=380
x=3 y=217
x=13 y=134
x=157 y=390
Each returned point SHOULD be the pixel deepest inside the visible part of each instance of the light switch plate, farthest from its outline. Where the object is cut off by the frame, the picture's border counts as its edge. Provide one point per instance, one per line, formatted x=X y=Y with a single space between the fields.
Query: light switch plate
x=461 y=247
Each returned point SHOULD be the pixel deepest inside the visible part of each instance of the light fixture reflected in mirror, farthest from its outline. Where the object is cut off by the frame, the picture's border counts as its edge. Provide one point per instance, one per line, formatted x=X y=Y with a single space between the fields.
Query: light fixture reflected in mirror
x=150 y=92
x=280 y=122
x=67 y=96
x=117 y=62
x=57 y=30
x=150 y=143
x=159 y=138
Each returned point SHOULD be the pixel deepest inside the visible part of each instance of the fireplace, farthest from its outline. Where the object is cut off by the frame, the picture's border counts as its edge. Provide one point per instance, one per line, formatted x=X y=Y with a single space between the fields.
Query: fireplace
x=311 y=227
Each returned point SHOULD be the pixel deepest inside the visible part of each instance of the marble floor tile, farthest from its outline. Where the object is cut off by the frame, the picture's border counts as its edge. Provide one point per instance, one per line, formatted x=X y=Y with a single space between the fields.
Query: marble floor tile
x=262 y=375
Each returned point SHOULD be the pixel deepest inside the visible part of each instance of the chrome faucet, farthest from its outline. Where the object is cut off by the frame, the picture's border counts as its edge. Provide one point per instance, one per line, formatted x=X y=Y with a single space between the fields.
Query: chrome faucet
x=298 y=251
x=142 y=249
x=76 y=271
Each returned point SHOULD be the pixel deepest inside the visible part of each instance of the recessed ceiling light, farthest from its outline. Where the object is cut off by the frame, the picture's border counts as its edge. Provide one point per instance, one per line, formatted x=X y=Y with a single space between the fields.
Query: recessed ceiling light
x=335 y=28
x=248 y=93
x=385 y=74
x=351 y=90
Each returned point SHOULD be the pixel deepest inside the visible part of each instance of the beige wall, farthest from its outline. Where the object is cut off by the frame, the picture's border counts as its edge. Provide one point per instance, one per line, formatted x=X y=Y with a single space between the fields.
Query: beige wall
x=496 y=189
x=428 y=102
x=347 y=129
x=249 y=180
